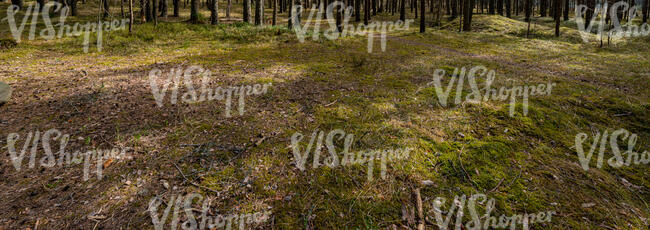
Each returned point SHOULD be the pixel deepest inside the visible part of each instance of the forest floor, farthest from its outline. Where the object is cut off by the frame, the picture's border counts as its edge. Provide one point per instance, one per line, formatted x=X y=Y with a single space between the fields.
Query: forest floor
x=527 y=163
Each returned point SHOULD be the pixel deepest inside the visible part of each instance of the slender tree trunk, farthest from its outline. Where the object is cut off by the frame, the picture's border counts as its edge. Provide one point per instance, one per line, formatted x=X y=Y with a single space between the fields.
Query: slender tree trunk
x=491 y=7
x=73 y=7
x=213 y=6
x=402 y=11
x=106 y=9
x=247 y=11
x=528 y=6
x=467 y=12
x=357 y=10
x=228 y=9
x=646 y=8
x=509 y=8
x=275 y=12
x=366 y=15
x=454 y=8
x=176 y=8
x=148 y=10
x=130 y=16
x=18 y=3
x=290 y=21
x=164 y=9
x=422 y=13
x=154 y=10
x=542 y=8
x=500 y=7
x=258 y=12
x=557 y=11
x=194 y=11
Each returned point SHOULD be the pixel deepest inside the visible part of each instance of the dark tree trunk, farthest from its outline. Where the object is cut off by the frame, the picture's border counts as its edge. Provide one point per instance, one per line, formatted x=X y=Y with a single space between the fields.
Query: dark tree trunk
x=18 y=3
x=402 y=11
x=467 y=14
x=527 y=9
x=557 y=14
x=194 y=11
x=154 y=11
x=258 y=12
x=508 y=8
x=107 y=8
x=247 y=11
x=500 y=7
x=646 y=8
x=176 y=8
x=357 y=10
x=590 y=12
x=491 y=6
x=213 y=6
x=422 y=13
x=148 y=10
x=542 y=8
x=163 y=10
x=454 y=8
x=290 y=21
x=275 y=12
x=41 y=3
x=228 y=9
x=366 y=16
x=73 y=7
x=566 y=10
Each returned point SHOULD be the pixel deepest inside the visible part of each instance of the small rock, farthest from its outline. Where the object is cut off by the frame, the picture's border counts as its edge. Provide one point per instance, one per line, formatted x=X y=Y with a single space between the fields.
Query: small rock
x=5 y=93
x=427 y=182
x=588 y=205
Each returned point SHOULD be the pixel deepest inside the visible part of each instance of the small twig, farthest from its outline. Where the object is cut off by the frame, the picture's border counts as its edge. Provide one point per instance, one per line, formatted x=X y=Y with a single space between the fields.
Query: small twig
x=498 y=184
x=463 y=168
x=193 y=183
x=623 y=114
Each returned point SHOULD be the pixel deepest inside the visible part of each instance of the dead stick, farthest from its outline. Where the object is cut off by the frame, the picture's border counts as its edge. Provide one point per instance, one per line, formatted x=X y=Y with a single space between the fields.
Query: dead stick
x=418 y=204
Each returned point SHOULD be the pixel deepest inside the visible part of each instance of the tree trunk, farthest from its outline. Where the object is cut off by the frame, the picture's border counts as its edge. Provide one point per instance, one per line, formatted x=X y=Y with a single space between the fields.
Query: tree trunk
x=18 y=3
x=454 y=8
x=194 y=11
x=290 y=21
x=500 y=7
x=73 y=7
x=176 y=8
x=228 y=9
x=148 y=10
x=258 y=12
x=402 y=11
x=646 y=8
x=542 y=8
x=130 y=16
x=491 y=6
x=275 y=12
x=357 y=10
x=467 y=14
x=527 y=9
x=163 y=10
x=247 y=11
x=154 y=11
x=566 y=10
x=213 y=6
x=107 y=8
x=557 y=10
x=422 y=13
